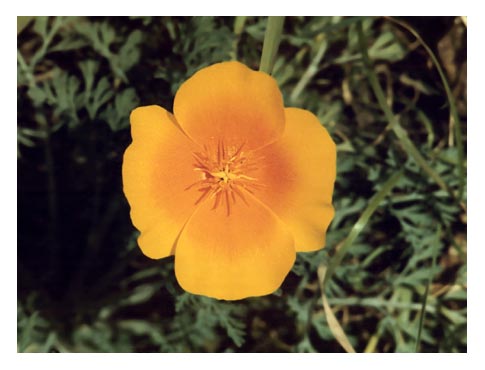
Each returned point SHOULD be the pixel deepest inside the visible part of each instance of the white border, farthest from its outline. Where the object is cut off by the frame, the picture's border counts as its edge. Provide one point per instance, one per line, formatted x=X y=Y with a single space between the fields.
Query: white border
x=302 y=7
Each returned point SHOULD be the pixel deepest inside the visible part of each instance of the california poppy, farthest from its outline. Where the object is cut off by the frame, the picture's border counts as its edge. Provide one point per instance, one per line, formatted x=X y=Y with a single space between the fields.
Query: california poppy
x=232 y=184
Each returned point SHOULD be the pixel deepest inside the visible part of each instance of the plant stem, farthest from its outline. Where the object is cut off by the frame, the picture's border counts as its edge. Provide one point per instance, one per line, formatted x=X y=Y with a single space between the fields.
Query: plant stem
x=310 y=71
x=239 y=23
x=426 y=291
x=360 y=224
x=271 y=42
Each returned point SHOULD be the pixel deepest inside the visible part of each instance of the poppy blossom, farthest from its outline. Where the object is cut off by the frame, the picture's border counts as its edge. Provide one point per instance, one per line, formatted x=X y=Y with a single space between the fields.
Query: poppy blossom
x=232 y=183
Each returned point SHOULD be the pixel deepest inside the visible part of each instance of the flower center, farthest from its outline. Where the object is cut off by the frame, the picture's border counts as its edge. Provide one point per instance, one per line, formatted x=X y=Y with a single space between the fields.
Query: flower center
x=225 y=174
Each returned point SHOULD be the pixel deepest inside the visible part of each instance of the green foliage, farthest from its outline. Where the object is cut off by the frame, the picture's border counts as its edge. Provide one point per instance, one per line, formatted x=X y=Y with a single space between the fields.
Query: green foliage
x=197 y=42
x=83 y=284
x=102 y=37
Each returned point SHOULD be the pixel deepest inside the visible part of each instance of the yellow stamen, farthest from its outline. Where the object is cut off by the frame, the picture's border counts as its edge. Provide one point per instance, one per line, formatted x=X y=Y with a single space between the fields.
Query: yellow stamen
x=224 y=174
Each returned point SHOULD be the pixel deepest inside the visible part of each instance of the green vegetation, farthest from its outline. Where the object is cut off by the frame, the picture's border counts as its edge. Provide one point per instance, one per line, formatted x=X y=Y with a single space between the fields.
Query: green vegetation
x=393 y=274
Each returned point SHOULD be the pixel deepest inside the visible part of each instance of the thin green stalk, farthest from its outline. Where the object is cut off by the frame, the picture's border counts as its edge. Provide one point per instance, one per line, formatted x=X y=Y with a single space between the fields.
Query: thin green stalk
x=381 y=304
x=271 y=43
x=421 y=318
x=360 y=224
x=426 y=291
x=401 y=133
x=239 y=23
x=333 y=324
x=453 y=110
x=372 y=343
x=325 y=272
x=310 y=71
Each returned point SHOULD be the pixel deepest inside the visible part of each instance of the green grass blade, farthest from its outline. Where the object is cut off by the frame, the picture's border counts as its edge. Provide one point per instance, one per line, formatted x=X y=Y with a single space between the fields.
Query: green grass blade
x=310 y=72
x=271 y=43
x=49 y=343
x=332 y=321
x=453 y=110
x=426 y=291
x=325 y=272
x=401 y=133
x=26 y=335
x=239 y=23
x=360 y=224
x=421 y=318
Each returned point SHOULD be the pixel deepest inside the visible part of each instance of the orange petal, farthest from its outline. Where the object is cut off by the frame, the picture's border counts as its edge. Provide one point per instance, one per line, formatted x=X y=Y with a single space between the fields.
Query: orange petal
x=231 y=103
x=157 y=168
x=246 y=253
x=299 y=174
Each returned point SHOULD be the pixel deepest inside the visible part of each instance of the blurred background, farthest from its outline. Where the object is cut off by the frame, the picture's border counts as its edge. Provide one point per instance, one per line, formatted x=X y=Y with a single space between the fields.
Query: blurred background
x=83 y=284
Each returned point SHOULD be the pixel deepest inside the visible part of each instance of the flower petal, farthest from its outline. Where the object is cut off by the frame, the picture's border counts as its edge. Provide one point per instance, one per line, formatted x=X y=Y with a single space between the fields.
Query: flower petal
x=231 y=103
x=246 y=253
x=299 y=176
x=157 y=169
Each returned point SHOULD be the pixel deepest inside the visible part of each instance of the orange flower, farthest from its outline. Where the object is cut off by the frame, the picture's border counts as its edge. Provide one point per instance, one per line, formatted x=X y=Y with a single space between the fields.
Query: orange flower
x=232 y=184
